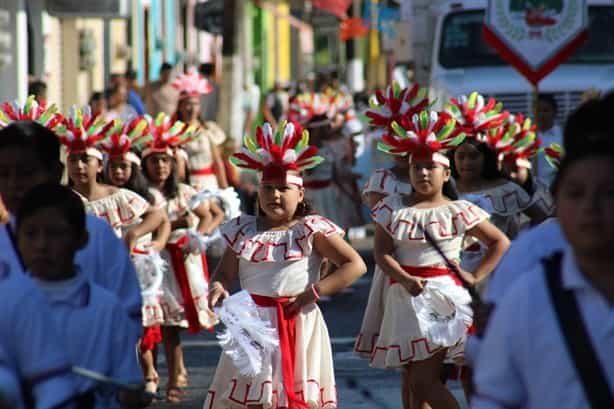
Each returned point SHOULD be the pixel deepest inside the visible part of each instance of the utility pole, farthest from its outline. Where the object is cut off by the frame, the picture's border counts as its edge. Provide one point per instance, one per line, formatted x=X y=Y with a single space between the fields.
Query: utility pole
x=232 y=79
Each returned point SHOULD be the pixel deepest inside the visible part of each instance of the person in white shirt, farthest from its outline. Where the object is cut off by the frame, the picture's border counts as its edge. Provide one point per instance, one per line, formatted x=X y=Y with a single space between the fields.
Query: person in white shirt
x=525 y=359
x=90 y=321
x=31 y=352
x=549 y=132
x=30 y=155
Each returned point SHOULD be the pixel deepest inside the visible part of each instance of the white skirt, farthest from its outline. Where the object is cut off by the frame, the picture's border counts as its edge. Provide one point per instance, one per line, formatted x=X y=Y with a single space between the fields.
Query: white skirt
x=401 y=337
x=374 y=314
x=314 y=377
x=172 y=300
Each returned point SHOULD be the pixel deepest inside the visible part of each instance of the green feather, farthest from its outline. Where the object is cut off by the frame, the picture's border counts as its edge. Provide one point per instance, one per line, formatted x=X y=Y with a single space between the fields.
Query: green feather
x=472 y=100
x=398 y=129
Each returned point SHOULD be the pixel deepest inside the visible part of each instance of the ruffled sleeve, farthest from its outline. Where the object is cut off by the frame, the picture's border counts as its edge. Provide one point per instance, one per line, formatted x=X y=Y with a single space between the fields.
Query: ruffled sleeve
x=508 y=199
x=122 y=208
x=377 y=182
x=237 y=230
x=243 y=238
x=384 y=210
x=320 y=224
x=215 y=133
x=466 y=215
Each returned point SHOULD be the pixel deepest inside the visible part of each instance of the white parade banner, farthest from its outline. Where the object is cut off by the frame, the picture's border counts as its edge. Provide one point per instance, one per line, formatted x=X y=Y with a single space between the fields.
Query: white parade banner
x=535 y=36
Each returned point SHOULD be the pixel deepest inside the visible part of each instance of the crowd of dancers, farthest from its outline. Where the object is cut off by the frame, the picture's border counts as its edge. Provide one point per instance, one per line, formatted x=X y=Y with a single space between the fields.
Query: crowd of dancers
x=100 y=270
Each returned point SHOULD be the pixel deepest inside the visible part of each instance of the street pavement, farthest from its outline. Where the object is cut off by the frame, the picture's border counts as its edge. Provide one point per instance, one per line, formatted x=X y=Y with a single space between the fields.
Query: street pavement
x=358 y=385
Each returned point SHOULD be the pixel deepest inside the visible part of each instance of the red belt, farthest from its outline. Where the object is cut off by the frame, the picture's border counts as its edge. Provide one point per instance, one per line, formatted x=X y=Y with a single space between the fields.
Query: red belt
x=428 y=272
x=203 y=171
x=316 y=184
x=181 y=274
x=287 y=343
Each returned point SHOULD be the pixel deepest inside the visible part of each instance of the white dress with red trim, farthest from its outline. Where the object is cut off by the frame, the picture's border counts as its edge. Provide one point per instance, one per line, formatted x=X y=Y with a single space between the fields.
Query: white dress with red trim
x=184 y=288
x=505 y=203
x=385 y=182
x=402 y=338
x=200 y=157
x=320 y=188
x=123 y=210
x=279 y=264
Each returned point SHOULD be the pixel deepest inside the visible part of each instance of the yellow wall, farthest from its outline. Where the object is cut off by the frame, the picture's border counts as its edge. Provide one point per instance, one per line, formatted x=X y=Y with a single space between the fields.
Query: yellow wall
x=283 y=43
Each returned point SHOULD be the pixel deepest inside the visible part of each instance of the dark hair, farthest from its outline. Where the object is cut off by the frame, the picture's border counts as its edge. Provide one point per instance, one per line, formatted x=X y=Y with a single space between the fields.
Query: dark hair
x=37 y=87
x=109 y=92
x=166 y=66
x=32 y=136
x=115 y=75
x=589 y=123
x=549 y=98
x=207 y=69
x=130 y=75
x=97 y=96
x=449 y=189
x=54 y=195
x=137 y=182
x=171 y=185
x=490 y=168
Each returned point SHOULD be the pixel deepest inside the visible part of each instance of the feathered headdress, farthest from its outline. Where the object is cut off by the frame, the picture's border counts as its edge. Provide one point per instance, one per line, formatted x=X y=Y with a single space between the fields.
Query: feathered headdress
x=122 y=137
x=276 y=153
x=304 y=107
x=163 y=133
x=396 y=102
x=30 y=111
x=474 y=117
x=81 y=132
x=427 y=134
x=516 y=141
x=191 y=84
x=553 y=154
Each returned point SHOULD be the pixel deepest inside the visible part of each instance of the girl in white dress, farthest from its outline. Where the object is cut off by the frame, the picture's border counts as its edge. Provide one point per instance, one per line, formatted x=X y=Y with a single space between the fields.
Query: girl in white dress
x=205 y=167
x=474 y=166
x=129 y=214
x=184 y=288
x=123 y=170
x=313 y=111
x=418 y=239
x=516 y=143
x=276 y=256
x=395 y=105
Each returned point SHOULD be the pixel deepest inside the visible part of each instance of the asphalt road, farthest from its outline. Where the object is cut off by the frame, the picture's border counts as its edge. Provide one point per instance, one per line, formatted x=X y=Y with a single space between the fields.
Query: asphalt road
x=358 y=385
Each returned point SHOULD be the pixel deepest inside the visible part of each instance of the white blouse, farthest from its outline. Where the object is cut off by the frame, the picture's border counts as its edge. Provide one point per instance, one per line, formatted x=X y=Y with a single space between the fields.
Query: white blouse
x=277 y=263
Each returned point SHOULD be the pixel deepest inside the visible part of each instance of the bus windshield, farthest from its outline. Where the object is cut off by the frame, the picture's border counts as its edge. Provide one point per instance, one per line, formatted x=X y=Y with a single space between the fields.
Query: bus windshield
x=462 y=43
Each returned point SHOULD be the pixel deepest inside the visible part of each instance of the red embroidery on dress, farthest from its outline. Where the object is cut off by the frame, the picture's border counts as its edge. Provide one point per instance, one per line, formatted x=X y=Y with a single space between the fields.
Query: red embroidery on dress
x=413 y=344
x=245 y=401
x=264 y=251
x=358 y=343
x=469 y=217
x=514 y=195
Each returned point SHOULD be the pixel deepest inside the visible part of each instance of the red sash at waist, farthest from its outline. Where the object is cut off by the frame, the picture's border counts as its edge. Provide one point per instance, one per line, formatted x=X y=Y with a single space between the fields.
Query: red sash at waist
x=287 y=343
x=316 y=184
x=175 y=250
x=203 y=171
x=428 y=272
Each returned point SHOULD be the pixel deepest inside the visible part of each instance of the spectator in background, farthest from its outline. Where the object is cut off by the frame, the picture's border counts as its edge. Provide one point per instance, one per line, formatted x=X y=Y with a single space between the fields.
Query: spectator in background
x=251 y=99
x=98 y=104
x=549 y=132
x=160 y=96
x=134 y=93
x=118 y=107
x=273 y=105
x=209 y=103
x=39 y=90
